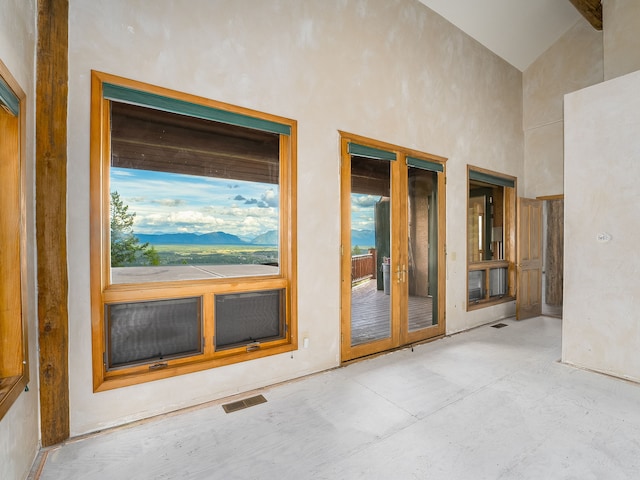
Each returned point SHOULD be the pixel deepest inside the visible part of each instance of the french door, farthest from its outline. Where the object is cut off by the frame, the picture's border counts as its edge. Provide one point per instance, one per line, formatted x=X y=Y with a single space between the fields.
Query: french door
x=393 y=254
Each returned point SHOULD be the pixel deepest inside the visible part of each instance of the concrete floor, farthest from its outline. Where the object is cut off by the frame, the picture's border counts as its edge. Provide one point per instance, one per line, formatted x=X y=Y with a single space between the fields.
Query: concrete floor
x=486 y=404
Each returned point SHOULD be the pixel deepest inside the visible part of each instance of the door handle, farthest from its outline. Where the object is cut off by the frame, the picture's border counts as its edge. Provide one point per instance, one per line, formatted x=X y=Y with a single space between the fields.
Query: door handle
x=402 y=274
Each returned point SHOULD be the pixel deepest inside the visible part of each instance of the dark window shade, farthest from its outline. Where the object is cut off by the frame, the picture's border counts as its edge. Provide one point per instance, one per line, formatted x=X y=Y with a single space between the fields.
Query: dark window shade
x=141 y=332
x=372 y=178
x=370 y=152
x=8 y=99
x=491 y=179
x=243 y=318
x=147 y=139
x=182 y=107
x=425 y=164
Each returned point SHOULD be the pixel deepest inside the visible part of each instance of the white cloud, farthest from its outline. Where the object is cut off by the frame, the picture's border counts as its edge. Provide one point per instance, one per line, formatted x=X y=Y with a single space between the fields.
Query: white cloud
x=270 y=197
x=165 y=202
x=186 y=220
x=169 y=202
x=120 y=172
x=364 y=201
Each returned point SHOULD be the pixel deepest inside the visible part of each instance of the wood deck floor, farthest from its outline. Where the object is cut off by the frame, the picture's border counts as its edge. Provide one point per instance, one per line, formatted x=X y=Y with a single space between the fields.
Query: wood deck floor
x=370 y=315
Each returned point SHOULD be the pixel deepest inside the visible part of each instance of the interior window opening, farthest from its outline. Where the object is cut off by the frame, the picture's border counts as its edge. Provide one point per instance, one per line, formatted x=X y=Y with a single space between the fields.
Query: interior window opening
x=490 y=238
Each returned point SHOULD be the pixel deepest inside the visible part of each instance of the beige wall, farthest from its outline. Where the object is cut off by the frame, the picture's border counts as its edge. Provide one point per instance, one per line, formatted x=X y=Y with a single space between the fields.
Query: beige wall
x=573 y=62
x=19 y=429
x=388 y=69
x=601 y=325
x=621 y=37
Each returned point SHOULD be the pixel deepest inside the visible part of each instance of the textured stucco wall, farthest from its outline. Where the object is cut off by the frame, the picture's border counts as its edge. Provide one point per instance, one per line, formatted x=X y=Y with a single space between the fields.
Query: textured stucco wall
x=19 y=429
x=387 y=69
x=621 y=20
x=601 y=319
x=573 y=62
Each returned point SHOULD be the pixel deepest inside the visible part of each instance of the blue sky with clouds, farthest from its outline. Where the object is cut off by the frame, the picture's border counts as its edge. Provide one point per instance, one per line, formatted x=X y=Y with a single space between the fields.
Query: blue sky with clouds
x=362 y=211
x=176 y=203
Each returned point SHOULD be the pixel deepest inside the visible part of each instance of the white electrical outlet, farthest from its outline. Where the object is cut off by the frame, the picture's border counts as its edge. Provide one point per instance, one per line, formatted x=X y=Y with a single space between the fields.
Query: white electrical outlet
x=603 y=237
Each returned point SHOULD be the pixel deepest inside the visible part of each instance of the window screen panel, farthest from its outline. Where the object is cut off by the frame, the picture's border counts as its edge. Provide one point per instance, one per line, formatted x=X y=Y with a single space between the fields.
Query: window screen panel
x=476 y=285
x=498 y=281
x=243 y=318
x=140 y=332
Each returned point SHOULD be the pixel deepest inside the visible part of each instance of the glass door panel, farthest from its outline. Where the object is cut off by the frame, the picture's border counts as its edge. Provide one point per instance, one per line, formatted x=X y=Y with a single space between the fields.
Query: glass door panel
x=422 y=246
x=370 y=210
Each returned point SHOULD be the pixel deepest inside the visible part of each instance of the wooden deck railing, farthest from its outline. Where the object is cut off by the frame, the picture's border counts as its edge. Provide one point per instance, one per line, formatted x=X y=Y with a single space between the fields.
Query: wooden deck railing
x=363 y=266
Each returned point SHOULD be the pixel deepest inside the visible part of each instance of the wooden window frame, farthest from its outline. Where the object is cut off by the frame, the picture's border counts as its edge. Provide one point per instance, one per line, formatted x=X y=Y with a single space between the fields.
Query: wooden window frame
x=14 y=354
x=509 y=235
x=104 y=292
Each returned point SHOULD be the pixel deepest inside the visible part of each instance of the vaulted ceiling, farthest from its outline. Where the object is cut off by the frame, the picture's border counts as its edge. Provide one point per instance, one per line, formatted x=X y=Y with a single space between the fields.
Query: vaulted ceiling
x=519 y=31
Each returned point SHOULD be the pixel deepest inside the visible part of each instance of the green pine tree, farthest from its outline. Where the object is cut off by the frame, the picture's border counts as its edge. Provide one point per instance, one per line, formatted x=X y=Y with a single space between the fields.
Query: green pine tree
x=126 y=248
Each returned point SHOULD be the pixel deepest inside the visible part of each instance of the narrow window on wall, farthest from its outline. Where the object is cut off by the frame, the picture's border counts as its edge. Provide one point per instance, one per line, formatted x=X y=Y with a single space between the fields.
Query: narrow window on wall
x=490 y=238
x=14 y=369
x=196 y=201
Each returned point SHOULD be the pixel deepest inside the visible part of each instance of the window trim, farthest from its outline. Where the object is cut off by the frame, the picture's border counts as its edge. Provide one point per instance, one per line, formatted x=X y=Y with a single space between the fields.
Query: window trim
x=510 y=184
x=103 y=292
x=13 y=100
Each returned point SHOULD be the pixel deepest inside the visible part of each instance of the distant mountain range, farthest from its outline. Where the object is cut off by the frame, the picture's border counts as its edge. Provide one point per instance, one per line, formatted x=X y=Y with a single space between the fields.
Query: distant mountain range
x=212 y=238
x=267 y=238
x=361 y=238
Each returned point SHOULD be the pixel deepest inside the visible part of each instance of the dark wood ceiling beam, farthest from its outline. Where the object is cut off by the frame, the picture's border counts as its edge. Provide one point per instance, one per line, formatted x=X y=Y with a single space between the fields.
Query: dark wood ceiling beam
x=591 y=10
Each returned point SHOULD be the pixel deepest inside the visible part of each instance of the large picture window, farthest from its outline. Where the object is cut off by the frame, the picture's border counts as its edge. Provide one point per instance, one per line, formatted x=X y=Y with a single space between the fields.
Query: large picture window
x=193 y=203
x=14 y=358
x=490 y=238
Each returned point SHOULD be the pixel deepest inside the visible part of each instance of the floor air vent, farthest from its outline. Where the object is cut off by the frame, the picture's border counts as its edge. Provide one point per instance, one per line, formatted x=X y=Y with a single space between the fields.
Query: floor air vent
x=242 y=404
x=499 y=325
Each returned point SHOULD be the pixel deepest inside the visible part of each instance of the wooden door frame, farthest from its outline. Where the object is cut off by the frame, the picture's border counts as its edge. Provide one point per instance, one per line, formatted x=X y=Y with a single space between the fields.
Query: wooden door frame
x=398 y=337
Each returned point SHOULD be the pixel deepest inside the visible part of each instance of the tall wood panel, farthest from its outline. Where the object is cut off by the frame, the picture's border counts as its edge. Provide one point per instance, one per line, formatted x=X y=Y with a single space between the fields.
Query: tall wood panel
x=11 y=352
x=51 y=180
x=554 y=254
